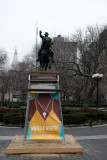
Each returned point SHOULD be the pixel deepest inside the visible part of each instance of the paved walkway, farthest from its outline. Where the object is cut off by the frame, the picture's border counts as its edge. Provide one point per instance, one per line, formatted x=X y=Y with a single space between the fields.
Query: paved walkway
x=5 y=138
x=93 y=140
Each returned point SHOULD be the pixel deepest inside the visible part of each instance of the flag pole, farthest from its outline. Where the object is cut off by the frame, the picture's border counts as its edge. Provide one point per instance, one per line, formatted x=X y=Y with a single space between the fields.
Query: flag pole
x=36 y=45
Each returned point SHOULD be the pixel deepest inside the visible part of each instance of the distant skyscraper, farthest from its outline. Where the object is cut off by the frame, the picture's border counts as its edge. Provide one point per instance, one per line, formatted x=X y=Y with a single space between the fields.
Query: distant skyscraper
x=15 y=62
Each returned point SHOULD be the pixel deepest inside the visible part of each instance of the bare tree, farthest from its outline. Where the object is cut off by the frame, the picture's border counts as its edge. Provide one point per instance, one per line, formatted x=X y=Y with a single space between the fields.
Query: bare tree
x=3 y=58
x=4 y=83
x=3 y=73
x=18 y=83
x=89 y=60
x=30 y=59
x=76 y=68
x=23 y=82
x=64 y=51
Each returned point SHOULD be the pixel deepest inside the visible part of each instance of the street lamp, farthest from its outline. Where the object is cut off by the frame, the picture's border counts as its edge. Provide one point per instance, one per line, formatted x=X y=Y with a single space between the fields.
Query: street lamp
x=97 y=77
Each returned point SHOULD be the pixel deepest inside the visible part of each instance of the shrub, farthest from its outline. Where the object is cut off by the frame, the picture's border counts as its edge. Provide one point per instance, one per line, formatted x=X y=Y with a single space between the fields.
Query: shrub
x=9 y=118
x=71 y=105
x=103 y=105
x=76 y=118
x=14 y=105
x=89 y=110
x=66 y=111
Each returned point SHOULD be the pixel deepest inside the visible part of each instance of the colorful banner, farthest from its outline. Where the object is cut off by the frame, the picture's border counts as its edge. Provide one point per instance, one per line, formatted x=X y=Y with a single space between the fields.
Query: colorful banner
x=44 y=116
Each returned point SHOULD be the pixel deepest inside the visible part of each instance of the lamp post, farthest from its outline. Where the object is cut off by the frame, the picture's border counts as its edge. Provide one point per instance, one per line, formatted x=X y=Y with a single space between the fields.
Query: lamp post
x=97 y=77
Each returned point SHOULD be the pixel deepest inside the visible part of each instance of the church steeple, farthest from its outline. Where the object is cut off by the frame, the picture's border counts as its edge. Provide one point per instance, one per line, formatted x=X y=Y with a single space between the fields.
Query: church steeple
x=15 y=51
x=15 y=62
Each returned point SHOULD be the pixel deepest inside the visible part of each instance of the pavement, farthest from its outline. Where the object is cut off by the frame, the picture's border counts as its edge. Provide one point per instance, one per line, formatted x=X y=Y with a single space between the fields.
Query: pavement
x=92 y=139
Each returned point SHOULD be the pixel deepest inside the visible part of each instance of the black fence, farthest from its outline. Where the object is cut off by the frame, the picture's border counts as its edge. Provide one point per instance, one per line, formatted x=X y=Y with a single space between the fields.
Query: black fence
x=74 y=119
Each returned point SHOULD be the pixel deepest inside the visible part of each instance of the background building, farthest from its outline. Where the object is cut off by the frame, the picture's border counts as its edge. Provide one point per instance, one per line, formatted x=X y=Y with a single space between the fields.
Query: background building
x=15 y=62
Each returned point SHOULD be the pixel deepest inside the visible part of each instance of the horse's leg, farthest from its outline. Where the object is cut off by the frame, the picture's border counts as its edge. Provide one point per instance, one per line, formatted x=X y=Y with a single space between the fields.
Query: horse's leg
x=41 y=69
x=41 y=66
x=46 y=65
x=50 y=61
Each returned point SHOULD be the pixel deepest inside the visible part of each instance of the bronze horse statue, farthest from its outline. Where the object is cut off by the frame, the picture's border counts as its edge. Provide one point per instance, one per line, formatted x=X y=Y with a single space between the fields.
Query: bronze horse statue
x=45 y=58
x=45 y=53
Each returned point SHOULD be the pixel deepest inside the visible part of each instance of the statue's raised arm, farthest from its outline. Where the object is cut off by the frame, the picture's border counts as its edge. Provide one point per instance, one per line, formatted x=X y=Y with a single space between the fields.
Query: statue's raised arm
x=40 y=34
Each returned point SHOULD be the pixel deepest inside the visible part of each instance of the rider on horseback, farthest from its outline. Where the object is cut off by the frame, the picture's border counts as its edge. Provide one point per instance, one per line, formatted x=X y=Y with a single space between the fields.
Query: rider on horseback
x=46 y=41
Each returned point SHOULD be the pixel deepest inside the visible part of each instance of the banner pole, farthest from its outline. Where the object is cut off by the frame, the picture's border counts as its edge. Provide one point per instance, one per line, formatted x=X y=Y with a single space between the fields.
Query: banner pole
x=61 y=109
x=36 y=45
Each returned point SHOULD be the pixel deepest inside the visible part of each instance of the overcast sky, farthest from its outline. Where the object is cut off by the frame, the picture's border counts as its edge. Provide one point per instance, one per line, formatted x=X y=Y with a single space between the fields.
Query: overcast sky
x=18 y=20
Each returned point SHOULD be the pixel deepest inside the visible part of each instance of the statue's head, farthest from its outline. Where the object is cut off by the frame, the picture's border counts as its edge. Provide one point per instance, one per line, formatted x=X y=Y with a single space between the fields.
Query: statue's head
x=46 y=34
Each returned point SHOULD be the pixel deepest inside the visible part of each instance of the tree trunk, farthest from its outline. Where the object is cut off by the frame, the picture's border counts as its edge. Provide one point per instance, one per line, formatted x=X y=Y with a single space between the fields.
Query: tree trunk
x=89 y=93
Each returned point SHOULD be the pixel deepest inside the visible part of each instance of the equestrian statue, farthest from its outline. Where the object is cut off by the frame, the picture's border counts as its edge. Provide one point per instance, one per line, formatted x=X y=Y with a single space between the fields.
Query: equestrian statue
x=45 y=53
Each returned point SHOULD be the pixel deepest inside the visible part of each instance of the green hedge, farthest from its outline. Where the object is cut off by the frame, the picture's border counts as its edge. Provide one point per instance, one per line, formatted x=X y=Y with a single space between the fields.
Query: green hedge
x=99 y=116
x=14 y=104
x=64 y=104
x=83 y=118
x=71 y=105
x=16 y=117
x=76 y=118
x=12 y=118
x=66 y=111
